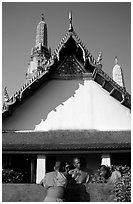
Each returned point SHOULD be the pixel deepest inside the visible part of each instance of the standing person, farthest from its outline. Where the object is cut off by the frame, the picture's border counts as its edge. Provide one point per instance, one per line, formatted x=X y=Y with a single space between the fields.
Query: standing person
x=55 y=182
x=79 y=172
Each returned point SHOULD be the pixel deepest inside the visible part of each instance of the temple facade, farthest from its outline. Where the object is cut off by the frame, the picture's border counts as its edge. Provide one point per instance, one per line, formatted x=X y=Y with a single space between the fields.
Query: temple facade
x=68 y=107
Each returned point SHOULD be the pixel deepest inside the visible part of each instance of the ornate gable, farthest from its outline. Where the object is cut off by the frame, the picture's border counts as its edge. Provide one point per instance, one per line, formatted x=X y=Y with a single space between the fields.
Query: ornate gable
x=70 y=66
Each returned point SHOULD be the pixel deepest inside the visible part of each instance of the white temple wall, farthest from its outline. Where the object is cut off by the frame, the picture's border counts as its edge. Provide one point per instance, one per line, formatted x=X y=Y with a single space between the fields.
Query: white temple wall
x=69 y=104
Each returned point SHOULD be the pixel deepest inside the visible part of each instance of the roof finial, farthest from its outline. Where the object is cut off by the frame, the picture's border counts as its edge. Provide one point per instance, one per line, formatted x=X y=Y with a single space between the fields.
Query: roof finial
x=118 y=74
x=99 y=59
x=6 y=96
x=42 y=17
x=116 y=60
x=70 y=22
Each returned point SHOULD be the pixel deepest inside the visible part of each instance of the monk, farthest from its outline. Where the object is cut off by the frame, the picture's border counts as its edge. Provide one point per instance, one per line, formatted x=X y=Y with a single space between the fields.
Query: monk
x=79 y=173
x=55 y=182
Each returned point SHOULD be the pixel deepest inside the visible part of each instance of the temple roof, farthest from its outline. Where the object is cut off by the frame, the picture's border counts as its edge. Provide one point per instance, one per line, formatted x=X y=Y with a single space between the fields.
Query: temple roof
x=70 y=50
x=66 y=140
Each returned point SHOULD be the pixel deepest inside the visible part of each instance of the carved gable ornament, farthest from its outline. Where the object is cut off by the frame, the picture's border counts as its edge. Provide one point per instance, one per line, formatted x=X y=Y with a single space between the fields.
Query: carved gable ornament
x=70 y=66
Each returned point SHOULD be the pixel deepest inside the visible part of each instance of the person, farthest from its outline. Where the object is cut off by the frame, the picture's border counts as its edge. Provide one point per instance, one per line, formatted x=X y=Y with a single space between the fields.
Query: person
x=109 y=177
x=76 y=189
x=105 y=173
x=55 y=182
x=115 y=176
x=79 y=172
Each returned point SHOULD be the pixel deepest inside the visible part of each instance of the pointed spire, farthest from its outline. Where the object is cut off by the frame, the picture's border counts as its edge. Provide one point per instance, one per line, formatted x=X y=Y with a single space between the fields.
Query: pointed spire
x=70 y=22
x=6 y=96
x=42 y=17
x=41 y=32
x=118 y=74
x=99 y=59
x=116 y=60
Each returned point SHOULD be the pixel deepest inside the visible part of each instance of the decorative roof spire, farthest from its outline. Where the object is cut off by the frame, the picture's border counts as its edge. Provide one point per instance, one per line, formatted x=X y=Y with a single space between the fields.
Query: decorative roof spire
x=70 y=22
x=42 y=17
x=6 y=96
x=118 y=74
x=116 y=60
x=41 y=32
x=99 y=59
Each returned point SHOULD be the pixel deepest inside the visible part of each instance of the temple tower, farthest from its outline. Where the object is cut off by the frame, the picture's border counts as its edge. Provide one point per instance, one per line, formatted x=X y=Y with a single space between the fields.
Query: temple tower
x=41 y=33
x=118 y=74
x=40 y=53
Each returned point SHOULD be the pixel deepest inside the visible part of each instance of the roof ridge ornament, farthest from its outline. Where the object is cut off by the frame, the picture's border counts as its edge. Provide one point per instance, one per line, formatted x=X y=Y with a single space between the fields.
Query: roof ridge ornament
x=116 y=60
x=99 y=59
x=70 y=22
x=6 y=96
x=42 y=17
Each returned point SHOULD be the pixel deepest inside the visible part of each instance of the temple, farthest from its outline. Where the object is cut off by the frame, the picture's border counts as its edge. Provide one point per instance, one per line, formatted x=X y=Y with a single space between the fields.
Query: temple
x=68 y=107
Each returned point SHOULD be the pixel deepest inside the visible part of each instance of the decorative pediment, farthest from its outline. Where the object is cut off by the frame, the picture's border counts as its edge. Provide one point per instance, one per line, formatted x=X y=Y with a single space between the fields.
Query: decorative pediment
x=70 y=66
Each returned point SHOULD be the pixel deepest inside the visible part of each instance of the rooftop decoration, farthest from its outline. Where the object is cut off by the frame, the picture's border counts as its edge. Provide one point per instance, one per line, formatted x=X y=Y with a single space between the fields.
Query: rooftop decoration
x=118 y=74
x=99 y=59
x=6 y=96
x=70 y=22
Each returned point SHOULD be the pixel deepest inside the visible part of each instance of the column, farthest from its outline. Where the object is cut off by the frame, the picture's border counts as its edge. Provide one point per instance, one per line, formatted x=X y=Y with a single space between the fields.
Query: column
x=106 y=160
x=41 y=167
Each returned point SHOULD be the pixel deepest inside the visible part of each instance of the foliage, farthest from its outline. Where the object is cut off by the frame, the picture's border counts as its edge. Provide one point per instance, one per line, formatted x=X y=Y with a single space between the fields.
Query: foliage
x=122 y=187
x=97 y=178
x=12 y=176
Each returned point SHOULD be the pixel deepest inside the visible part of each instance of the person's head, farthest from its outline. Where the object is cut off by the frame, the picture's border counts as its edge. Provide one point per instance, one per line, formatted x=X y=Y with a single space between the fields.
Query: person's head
x=76 y=163
x=105 y=172
x=64 y=166
x=67 y=166
x=57 y=165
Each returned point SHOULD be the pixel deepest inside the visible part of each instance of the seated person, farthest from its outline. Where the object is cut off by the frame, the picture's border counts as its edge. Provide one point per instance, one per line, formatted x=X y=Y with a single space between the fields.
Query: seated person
x=115 y=176
x=105 y=173
x=108 y=176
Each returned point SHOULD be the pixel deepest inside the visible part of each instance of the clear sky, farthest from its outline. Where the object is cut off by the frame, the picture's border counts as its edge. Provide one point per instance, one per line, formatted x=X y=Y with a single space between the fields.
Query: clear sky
x=104 y=27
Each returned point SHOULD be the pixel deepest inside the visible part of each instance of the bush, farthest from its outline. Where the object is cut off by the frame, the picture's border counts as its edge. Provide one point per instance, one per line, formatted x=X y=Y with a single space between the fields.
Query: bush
x=122 y=187
x=96 y=178
x=12 y=176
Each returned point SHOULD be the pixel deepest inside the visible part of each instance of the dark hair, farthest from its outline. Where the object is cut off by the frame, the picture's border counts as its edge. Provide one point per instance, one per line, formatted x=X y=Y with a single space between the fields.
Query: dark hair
x=57 y=165
x=63 y=166
x=108 y=172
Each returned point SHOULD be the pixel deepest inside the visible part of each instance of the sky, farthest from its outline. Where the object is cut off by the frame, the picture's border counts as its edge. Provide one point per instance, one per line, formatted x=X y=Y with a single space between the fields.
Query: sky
x=102 y=26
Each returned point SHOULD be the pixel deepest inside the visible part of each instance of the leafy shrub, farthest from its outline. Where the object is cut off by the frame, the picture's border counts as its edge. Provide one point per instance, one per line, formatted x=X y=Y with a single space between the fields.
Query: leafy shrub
x=12 y=176
x=97 y=178
x=122 y=187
